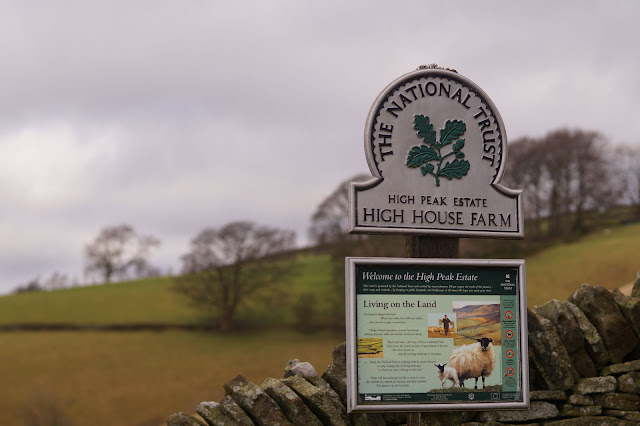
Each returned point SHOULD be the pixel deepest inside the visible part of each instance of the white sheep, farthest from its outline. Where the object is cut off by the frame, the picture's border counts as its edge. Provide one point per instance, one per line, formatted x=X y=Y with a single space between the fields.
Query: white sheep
x=447 y=373
x=474 y=360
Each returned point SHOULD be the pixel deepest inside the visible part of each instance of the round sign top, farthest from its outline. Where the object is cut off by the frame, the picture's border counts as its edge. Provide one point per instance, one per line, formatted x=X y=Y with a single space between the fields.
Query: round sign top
x=436 y=147
x=435 y=124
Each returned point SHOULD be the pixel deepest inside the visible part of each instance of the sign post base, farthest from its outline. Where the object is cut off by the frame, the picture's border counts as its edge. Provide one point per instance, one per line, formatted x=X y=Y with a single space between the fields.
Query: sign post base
x=418 y=246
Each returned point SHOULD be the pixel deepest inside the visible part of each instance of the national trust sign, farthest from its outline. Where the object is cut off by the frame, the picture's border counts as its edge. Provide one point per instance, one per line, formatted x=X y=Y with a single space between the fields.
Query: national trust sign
x=436 y=147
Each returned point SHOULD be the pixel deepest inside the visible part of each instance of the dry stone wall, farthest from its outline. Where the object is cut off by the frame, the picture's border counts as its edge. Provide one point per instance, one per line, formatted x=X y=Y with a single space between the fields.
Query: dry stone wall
x=584 y=367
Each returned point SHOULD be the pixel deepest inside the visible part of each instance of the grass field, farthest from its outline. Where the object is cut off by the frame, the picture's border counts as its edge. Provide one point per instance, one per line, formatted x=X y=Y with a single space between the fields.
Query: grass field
x=147 y=300
x=139 y=378
x=153 y=301
x=608 y=258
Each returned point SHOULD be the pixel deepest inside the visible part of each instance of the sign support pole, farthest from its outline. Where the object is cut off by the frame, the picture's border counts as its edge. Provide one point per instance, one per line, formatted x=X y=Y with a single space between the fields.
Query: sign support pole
x=417 y=246
x=420 y=246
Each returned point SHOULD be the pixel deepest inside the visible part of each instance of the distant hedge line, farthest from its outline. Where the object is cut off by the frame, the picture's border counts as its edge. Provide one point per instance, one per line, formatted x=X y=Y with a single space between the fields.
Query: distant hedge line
x=105 y=327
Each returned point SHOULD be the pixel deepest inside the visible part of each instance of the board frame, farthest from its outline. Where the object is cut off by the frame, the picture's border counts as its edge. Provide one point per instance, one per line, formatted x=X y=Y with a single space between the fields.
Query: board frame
x=355 y=402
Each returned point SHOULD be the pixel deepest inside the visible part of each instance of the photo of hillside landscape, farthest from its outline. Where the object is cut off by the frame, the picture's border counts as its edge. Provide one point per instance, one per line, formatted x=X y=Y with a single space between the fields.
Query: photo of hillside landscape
x=477 y=320
x=370 y=347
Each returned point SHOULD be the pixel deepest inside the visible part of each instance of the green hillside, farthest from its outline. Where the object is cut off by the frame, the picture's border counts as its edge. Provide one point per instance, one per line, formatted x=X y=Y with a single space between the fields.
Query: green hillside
x=149 y=301
x=153 y=301
x=607 y=258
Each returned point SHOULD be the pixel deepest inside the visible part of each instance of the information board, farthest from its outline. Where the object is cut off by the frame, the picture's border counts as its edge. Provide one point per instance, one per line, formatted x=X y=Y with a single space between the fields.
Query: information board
x=436 y=334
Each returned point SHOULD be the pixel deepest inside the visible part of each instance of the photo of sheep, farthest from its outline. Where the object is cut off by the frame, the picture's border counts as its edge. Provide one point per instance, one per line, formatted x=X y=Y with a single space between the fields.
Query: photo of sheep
x=446 y=374
x=469 y=363
x=477 y=319
x=370 y=347
x=441 y=325
x=474 y=361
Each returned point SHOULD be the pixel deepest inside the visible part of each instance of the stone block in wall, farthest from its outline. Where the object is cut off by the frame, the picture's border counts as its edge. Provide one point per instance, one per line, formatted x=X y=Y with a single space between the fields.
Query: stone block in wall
x=618 y=401
x=306 y=370
x=255 y=402
x=183 y=419
x=233 y=410
x=632 y=416
x=550 y=356
x=323 y=404
x=542 y=395
x=295 y=367
x=594 y=344
x=590 y=421
x=630 y=309
x=395 y=419
x=570 y=410
x=579 y=399
x=536 y=382
x=623 y=367
x=629 y=382
x=213 y=414
x=442 y=418
x=570 y=334
x=367 y=419
x=290 y=403
x=635 y=290
x=336 y=373
x=593 y=385
x=601 y=309
x=539 y=410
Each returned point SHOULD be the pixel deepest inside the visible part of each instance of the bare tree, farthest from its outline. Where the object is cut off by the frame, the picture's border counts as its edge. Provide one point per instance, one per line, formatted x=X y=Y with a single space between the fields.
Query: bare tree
x=228 y=266
x=556 y=163
x=119 y=250
x=525 y=170
x=328 y=229
x=329 y=225
x=56 y=281
x=593 y=188
x=564 y=174
x=580 y=177
x=331 y=218
x=628 y=176
x=30 y=286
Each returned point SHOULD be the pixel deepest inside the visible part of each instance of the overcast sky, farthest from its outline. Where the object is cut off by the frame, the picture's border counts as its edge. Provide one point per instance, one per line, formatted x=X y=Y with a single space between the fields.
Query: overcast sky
x=173 y=116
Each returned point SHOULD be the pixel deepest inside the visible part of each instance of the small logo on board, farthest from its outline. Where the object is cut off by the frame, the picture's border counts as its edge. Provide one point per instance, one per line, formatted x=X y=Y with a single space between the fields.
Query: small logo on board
x=430 y=156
